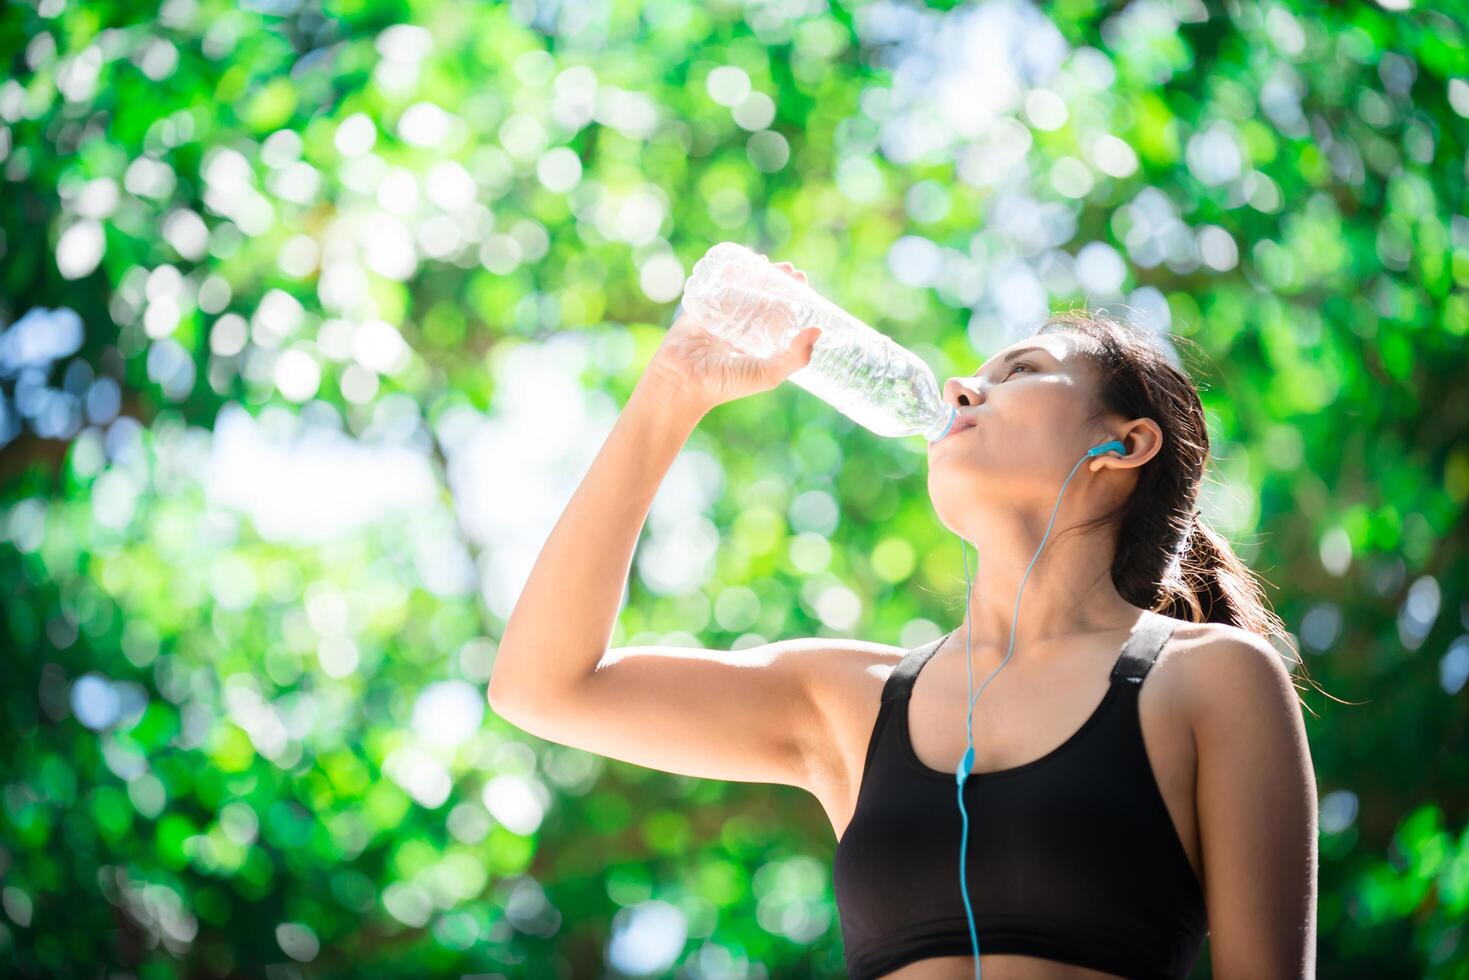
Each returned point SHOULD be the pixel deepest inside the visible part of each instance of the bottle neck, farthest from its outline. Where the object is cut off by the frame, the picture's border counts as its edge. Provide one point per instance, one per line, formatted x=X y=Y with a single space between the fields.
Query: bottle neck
x=943 y=424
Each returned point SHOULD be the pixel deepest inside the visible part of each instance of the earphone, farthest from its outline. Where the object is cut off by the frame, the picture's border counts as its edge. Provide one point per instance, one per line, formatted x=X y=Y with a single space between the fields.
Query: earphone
x=967 y=762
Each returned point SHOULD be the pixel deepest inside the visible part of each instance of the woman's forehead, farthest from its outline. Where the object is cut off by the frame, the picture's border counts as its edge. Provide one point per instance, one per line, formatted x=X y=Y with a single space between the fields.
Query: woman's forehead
x=1060 y=346
x=1057 y=345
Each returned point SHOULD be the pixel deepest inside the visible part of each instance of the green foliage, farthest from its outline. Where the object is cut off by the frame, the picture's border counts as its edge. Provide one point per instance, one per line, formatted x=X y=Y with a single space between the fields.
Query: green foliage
x=233 y=728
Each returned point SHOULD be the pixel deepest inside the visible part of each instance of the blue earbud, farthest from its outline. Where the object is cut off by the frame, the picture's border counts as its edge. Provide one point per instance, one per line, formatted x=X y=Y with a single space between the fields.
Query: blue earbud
x=967 y=762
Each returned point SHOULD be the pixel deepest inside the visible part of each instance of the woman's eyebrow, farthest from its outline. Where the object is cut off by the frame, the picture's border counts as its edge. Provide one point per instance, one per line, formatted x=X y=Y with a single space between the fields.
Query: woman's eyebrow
x=1008 y=358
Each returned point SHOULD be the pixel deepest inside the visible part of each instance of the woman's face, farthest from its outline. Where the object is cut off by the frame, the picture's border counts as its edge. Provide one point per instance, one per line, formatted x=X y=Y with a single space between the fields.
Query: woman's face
x=1030 y=403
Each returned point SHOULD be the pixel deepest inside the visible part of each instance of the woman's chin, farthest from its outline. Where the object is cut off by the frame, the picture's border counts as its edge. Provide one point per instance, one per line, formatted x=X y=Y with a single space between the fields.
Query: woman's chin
x=941 y=458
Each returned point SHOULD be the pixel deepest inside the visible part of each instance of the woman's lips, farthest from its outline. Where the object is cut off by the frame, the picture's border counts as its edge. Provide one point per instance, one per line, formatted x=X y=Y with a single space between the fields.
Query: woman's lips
x=960 y=425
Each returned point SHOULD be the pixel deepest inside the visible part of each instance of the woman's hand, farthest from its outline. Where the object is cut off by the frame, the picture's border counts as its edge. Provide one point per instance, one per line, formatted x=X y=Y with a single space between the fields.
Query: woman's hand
x=712 y=371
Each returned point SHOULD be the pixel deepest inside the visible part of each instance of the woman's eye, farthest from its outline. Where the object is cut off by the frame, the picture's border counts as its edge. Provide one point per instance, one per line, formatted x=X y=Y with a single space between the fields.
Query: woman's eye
x=1017 y=366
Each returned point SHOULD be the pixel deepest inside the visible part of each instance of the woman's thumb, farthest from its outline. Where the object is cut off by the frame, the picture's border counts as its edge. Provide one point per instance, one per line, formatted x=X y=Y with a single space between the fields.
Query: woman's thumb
x=808 y=340
x=798 y=353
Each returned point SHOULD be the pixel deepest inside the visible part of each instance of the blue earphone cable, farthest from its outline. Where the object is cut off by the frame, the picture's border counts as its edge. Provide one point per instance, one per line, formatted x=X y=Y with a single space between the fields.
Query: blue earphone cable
x=967 y=762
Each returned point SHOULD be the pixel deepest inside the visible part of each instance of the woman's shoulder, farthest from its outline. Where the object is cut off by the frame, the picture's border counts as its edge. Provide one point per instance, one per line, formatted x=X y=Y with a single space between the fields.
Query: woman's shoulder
x=1219 y=668
x=850 y=681
x=1202 y=644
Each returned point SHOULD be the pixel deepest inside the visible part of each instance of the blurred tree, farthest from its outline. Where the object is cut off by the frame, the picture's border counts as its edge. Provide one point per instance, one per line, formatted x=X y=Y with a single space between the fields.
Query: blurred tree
x=316 y=312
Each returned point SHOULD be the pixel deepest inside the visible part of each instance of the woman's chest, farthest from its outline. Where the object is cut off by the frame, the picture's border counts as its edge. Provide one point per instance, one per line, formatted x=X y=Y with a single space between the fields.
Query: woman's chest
x=1028 y=727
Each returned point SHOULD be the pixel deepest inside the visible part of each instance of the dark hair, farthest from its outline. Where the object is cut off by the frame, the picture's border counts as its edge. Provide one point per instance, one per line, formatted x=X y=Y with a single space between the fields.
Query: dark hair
x=1168 y=559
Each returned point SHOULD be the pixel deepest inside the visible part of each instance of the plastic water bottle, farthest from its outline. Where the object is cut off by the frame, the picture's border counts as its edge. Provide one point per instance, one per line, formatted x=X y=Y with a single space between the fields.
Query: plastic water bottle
x=742 y=297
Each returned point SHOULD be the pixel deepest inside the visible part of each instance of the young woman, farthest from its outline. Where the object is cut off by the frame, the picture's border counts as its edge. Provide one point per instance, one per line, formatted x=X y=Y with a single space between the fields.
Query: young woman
x=1141 y=775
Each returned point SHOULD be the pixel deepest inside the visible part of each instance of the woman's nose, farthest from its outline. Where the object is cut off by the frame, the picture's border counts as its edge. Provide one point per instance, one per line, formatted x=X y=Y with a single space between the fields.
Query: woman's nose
x=963 y=391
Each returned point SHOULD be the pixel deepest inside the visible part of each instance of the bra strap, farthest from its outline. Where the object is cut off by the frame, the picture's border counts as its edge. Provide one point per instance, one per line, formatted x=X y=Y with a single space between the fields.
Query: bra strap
x=900 y=682
x=1142 y=647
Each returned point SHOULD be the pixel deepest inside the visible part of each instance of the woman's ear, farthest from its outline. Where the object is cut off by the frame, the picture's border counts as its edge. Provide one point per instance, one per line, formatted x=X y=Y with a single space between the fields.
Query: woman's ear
x=1142 y=440
x=1098 y=464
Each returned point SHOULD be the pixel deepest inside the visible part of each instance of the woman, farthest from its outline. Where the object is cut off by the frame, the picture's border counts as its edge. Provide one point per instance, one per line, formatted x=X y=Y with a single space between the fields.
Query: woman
x=1141 y=774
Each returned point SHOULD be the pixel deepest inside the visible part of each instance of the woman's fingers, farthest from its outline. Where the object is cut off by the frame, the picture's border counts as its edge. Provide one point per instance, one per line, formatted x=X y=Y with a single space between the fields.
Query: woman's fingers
x=793 y=270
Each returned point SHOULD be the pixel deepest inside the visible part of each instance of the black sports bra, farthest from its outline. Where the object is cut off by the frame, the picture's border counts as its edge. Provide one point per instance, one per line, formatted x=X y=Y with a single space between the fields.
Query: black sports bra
x=1071 y=857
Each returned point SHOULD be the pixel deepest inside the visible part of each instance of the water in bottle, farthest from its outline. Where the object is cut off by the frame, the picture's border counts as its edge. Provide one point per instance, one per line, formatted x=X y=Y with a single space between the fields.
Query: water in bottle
x=742 y=297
